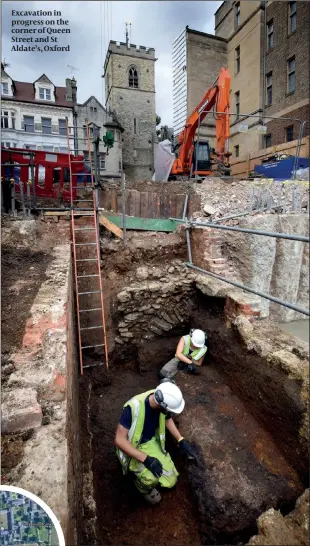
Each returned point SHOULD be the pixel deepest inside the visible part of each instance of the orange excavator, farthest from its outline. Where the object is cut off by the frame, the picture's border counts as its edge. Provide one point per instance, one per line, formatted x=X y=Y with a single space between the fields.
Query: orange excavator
x=192 y=157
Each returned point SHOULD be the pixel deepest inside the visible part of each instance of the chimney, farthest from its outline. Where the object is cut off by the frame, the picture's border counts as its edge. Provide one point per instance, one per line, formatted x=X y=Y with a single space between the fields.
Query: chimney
x=74 y=90
x=69 y=89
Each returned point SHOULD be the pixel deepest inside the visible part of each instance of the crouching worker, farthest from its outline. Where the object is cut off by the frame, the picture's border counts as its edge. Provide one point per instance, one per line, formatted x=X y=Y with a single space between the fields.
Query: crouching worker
x=190 y=353
x=140 y=439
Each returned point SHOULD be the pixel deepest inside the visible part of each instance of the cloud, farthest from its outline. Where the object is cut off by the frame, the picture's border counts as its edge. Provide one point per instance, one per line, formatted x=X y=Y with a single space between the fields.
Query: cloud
x=153 y=24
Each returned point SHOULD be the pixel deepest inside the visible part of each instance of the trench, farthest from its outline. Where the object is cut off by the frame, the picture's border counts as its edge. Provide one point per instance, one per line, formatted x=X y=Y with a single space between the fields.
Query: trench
x=247 y=459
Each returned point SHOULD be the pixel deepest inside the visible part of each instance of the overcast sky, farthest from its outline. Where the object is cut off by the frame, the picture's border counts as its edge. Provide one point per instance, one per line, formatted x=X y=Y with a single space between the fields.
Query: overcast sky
x=92 y=25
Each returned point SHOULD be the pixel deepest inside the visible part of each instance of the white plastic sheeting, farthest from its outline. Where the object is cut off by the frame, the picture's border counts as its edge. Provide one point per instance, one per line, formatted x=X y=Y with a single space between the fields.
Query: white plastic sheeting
x=302 y=174
x=163 y=161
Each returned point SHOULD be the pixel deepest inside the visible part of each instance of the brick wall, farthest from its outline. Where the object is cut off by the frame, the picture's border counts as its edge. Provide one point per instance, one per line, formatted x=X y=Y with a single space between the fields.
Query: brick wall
x=206 y=246
x=277 y=128
x=285 y=46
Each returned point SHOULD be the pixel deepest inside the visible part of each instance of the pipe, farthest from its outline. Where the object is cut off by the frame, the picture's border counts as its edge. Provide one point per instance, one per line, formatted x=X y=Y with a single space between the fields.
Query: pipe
x=247 y=289
x=124 y=207
x=246 y=230
x=185 y=207
x=265 y=63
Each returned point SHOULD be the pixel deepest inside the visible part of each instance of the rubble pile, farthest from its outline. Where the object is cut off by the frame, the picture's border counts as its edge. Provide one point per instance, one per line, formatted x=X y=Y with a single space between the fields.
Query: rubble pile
x=221 y=198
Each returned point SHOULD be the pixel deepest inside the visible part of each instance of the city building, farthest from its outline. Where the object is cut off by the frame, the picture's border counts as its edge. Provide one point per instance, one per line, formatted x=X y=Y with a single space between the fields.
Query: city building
x=100 y=121
x=287 y=70
x=33 y=115
x=265 y=46
x=242 y=24
x=196 y=61
x=130 y=93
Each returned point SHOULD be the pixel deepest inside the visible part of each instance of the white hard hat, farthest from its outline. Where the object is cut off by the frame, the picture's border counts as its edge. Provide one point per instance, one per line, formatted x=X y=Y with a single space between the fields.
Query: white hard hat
x=198 y=338
x=169 y=397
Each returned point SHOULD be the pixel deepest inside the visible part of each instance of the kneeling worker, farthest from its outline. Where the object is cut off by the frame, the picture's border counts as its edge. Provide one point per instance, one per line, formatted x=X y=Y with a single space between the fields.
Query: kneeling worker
x=190 y=353
x=140 y=439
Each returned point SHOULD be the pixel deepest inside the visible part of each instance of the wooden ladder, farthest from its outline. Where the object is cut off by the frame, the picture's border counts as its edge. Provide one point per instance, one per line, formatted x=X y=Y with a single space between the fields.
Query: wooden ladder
x=87 y=270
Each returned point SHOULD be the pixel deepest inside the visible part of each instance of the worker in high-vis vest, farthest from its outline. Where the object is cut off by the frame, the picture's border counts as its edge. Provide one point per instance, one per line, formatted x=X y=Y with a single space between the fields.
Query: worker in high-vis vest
x=190 y=354
x=140 y=439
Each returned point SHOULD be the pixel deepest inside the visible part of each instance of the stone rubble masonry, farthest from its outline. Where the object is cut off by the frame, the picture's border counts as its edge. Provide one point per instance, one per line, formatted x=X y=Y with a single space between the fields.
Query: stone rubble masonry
x=290 y=530
x=20 y=411
x=155 y=304
x=39 y=384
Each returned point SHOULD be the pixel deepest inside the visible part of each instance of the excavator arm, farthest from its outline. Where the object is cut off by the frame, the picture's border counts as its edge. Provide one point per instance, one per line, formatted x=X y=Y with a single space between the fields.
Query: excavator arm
x=218 y=96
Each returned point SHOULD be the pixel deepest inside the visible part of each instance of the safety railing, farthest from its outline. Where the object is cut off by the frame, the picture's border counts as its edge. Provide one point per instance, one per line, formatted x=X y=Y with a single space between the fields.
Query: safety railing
x=188 y=224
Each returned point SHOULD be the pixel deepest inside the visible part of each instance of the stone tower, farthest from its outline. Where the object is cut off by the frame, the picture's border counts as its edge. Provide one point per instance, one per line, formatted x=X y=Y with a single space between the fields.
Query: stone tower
x=130 y=93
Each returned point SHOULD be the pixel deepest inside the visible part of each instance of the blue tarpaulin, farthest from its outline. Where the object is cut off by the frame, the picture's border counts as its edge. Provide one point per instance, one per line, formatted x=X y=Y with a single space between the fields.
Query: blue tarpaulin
x=282 y=169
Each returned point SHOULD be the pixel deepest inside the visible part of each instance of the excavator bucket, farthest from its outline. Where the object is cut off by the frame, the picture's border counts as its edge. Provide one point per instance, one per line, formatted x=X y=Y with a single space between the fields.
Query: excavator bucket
x=163 y=161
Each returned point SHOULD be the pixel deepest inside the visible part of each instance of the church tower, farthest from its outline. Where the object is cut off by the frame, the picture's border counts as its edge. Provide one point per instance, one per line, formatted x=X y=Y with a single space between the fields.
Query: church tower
x=130 y=93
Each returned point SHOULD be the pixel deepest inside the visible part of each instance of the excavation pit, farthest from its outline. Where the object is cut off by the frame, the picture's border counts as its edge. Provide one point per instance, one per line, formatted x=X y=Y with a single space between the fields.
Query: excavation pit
x=233 y=413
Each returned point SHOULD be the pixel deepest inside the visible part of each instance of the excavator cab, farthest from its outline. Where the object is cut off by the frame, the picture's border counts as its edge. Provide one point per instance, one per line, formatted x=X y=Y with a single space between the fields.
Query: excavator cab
x=201 y=161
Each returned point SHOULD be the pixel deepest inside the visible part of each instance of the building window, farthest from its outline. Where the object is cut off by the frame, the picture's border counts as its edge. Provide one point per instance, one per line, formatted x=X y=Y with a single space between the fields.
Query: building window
x=5 y=88
x=237 y=50
x=29 y=124
x=289 y=133
x=237 y=151
x=119 y=165
x=292 y=17
x=102 y=164
x=62 y=127
x=44 y=94
x=56 y=149
x=46 y=126
x=28 y=146
x=84 y=131
x=237 y=97
x=117 y=136
x=270 y=35
x=268 y=141
x=133 y=77
x=135 y=126
x=291 y=75
x=237 y=14
x=269 y=89
x=7 y=144
x=93 y=109
x=7 y=119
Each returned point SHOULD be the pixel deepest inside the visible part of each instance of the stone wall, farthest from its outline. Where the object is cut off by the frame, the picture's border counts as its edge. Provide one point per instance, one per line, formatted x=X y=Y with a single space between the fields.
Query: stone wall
x=135 y=107
x=34 y=400
x=273 y=266
x=155 y=304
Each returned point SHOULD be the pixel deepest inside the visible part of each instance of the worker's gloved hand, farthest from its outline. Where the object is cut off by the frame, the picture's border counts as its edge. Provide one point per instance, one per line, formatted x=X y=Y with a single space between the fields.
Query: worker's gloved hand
x=154 y=466
x=192 y=368
x=187 y=451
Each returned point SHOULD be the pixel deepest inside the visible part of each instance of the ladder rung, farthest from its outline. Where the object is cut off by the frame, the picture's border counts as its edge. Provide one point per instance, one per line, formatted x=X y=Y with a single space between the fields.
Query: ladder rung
x=92 y=327
x=84 y=276
x=91 y=346
x=84 y=244
x=88 y=310
x=93 y=365
x=84 y=229
x=88 y=260
x=93 y=292
x=84 y=200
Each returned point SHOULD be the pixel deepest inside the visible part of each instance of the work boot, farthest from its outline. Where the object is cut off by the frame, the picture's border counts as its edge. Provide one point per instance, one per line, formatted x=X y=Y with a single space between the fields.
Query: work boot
x=153 y=497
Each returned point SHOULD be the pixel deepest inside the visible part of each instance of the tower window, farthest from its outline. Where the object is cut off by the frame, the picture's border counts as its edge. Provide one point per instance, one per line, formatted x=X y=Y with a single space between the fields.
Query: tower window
x=133 y=78
x=135 y=126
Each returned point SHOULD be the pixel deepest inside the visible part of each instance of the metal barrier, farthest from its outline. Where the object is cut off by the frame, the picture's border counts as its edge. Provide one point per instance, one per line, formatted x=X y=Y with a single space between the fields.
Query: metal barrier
x=189 y=223
x=241 y=117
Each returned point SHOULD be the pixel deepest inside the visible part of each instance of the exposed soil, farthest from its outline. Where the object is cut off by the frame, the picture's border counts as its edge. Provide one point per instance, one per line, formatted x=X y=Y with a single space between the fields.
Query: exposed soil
x=241 y=470
x=123 y=516
x=23 y=272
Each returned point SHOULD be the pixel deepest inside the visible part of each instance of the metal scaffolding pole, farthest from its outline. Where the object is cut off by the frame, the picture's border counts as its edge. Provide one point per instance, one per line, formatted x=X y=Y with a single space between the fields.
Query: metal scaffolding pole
x=124 y=208
x=246 y=230
x=248 y=289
